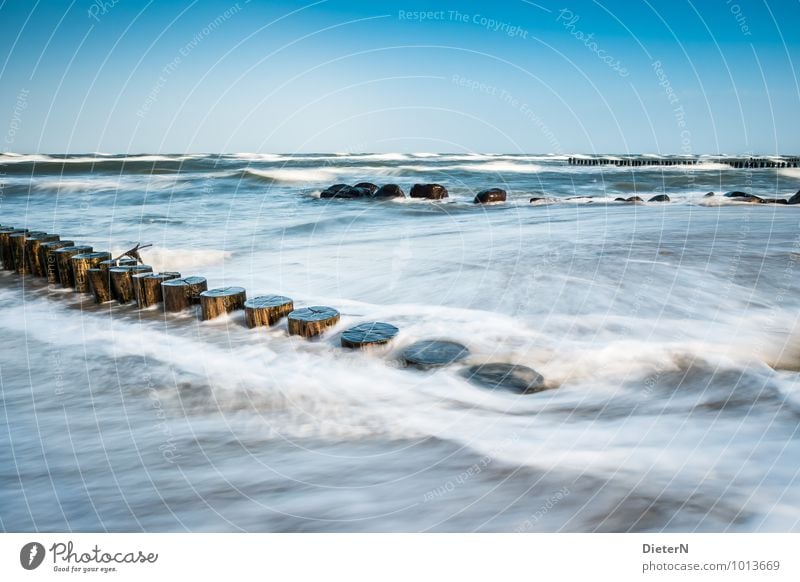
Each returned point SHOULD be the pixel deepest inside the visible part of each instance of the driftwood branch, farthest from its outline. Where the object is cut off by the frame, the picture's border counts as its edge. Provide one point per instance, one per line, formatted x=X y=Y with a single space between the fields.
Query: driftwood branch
x=134 y=253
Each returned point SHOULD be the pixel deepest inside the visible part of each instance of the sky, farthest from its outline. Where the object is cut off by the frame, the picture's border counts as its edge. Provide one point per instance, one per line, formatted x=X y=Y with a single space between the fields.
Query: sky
x=511 y=76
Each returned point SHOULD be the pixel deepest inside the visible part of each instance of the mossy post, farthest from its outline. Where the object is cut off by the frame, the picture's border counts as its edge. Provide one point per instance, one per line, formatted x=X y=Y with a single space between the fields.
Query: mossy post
x=6 y=252
x=47 y=257
x=99 y=284
x=180 y=294
x=122 y=281
x=82 y=263
x=32 y=255
x=18 y=250
x=147 y=287
x=267 y=310
x=64 y=263
x=216 y=302
x=312 y=321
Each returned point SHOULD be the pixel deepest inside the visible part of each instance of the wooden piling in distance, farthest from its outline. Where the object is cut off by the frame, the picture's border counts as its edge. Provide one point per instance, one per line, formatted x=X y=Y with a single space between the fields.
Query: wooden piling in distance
x=267 y=310
x=6 y=252
x=312 y=321
x=180 y=294
x=64 y=263
x=216 y=302
x=147 y=287
x=81 y=263
x=32 y=255
x=122 y=280
x=17 y=241
x=47 y=257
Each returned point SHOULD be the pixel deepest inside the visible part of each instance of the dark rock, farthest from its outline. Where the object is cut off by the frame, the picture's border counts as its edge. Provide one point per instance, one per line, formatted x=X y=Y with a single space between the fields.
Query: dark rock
x=490 y=195
x=432 y=353
x=659 y=198
x=794 y=199
x=708 y=195
x=536 y=199
x=744 y=197
x=519 y=379
x=619 y=200
x=634 y=199
x=369 y=334
x=429 y=191
x=774 y=201
x=344 y=191
x=367 y=186
x=330 y=191
x=389 y=191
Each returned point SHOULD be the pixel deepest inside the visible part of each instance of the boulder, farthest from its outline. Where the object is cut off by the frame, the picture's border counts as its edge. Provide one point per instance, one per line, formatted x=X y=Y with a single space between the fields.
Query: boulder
x=743 y=197
x=794 y=199
x=367 y=186
x=536 y=199
x=708 y=195
x=511 y=377
x=344 y=191
x=774 y=201
x=659 y=198
x=634 y=199
x=490 y=195
x=389 y=191
x=619 y=200
x=429 y=191
x=433 y=353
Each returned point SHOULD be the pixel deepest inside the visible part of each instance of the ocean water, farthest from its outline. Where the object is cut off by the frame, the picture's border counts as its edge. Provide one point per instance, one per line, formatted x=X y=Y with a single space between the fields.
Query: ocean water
x=668 y=332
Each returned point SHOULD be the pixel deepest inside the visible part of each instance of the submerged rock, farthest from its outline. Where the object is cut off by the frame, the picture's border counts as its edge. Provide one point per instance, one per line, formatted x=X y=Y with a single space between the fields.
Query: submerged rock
x=743 y=197
x=708 y=195
x=429 y=191
x=618 y=199
x=367 y=186
x=344 y=191
x=774 y=201
x=794 y=199
x=659 y=198
x=515 y=378
x=490 y=195
x=389 y=191
x=433 y=353
x=634 y=199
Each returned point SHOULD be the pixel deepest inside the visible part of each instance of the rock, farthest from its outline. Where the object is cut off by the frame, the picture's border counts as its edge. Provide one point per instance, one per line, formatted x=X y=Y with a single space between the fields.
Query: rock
x=794 y=199
x=708 y=195
x=345 y=191
x=659 y=198
x=515 y=378
x=619 y=200
x=536 y=199
x=389 y=191
x=370 y=334
x=429 y=191
x=634 y=199
x=331 y=191
x=744 y=197
x=774 y=201
x=367 y=186
x=433 y=353
x=490 y=195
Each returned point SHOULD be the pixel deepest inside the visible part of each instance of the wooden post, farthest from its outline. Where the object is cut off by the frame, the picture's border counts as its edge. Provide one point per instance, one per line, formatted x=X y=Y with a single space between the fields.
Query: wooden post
x=82 y=263
x=179 y=294
x=64 y=262
x=147 y=287
x=17 y=241
x=122 y=281
x=6 y=252
x=32 y=245
x=48 y=258
x=216 y=302
x=366 y=335
x=107 y=264
x=433 y=353
x=100 y=284
x=267 y=310
x=312 y=321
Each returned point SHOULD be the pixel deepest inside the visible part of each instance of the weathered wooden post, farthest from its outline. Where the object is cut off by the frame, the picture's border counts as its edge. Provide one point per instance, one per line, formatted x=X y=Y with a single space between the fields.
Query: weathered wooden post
x=122 y=280
x=82 y=263
x=32 y=255
x=64 y=262
x=17 y=241
x=6 y=252
x=179 y=294
x=312 y=321
x=267 y=310
x=99 y=284
x=48 y=258
x=216 y=302
x=147 y=287
x=367 y=335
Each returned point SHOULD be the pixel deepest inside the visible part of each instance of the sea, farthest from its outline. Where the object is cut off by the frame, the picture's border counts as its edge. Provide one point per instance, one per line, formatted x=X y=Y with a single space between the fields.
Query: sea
x=667 y=334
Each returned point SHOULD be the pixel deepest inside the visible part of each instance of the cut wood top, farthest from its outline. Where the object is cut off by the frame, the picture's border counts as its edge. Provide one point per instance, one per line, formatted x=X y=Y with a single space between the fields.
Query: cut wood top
x=313 y=313
x=223 y=292
x=185 y=281
x=265 y=301
x=373 y=332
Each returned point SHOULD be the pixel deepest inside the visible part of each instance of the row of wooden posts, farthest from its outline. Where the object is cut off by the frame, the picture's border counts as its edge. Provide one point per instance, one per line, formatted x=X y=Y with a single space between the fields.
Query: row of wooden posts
x=126 y=280
x=734 y=163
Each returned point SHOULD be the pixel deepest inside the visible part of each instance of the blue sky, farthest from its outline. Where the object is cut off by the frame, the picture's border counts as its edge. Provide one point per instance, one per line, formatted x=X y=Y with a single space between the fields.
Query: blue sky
x=345 y=76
